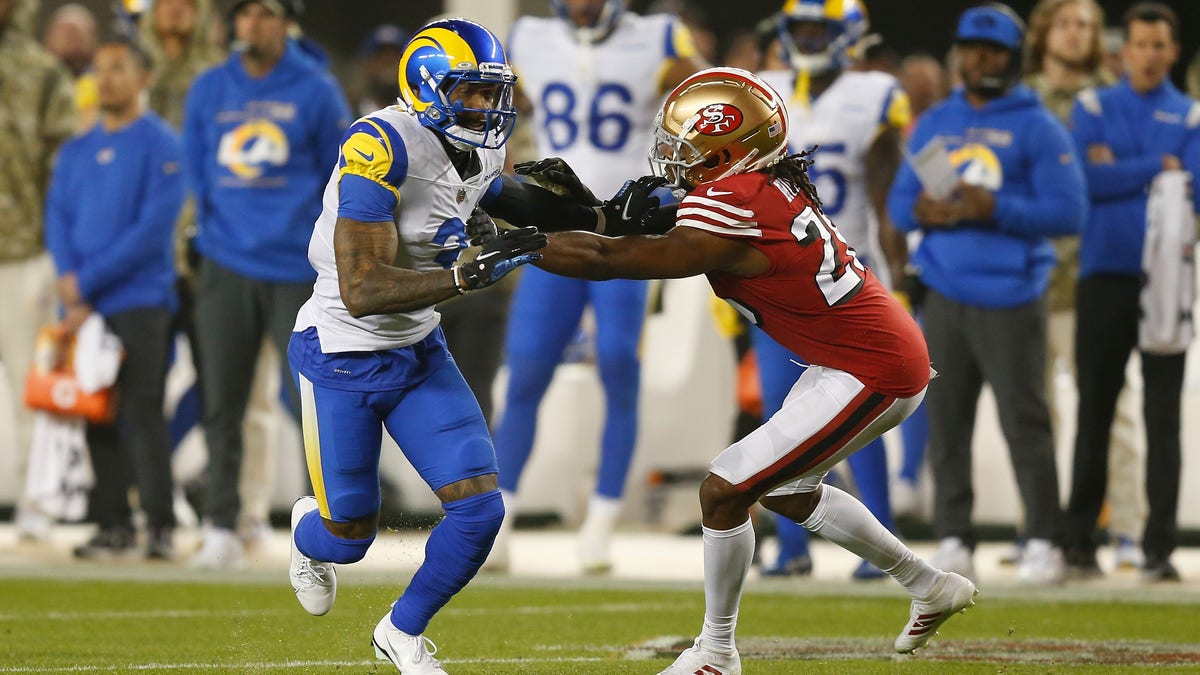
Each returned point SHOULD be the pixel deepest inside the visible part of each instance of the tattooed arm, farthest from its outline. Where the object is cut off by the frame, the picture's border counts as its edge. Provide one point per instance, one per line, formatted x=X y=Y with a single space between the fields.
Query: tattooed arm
x=369 y=279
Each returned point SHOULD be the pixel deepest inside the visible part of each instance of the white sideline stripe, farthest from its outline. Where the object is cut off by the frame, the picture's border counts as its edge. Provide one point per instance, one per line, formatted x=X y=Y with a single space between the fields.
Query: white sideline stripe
x=259 y=665
x=189 y=613
x=137 y=614
x=560 y=609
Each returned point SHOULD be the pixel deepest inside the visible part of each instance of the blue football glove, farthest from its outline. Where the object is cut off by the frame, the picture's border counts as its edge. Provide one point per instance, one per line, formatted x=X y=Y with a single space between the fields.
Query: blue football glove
x=501 y=255
x=555 y=175
x=630 y=210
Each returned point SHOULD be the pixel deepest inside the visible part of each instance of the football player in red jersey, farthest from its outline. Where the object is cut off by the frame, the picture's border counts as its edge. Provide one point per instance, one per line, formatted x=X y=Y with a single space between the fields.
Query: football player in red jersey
x=752 y=223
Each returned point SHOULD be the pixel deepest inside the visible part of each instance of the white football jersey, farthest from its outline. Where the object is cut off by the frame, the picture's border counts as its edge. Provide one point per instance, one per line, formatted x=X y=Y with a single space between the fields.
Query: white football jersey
x=594 y=104
x=844 y=120
x=434 y=204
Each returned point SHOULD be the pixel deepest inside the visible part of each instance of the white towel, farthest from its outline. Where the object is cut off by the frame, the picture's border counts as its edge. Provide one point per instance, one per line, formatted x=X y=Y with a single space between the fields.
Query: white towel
x=97 y=355
x=60 y=471
x=1168 y=261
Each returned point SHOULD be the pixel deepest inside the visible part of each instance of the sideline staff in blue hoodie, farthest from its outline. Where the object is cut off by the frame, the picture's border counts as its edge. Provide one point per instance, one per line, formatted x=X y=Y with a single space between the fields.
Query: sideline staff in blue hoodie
x=986 y=261
x=110 y=225
x=1128 y=133
x=261 y=134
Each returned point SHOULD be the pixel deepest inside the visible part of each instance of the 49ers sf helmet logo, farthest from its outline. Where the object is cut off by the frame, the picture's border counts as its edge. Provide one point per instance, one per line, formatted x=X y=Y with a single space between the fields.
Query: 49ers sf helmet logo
x=719 y=119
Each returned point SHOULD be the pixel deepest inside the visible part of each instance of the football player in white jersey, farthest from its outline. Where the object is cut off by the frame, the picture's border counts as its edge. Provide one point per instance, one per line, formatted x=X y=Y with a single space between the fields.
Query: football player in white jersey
x=367 y=350
x=856 y=119
x=594 y=76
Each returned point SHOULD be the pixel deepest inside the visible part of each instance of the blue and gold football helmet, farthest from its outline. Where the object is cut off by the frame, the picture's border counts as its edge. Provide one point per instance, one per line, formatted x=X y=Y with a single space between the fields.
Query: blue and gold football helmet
x=607 y=13
x=454 y=75
x=845 y=24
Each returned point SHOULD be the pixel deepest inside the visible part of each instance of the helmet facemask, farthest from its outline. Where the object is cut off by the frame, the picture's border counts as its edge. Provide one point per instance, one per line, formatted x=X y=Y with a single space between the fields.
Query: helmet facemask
x=449 y=114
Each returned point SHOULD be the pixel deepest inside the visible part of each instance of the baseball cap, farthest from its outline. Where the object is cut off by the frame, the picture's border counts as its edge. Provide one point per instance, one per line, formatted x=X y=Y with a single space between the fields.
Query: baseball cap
x=290 y=8
x=994 y=23
x=384 y=36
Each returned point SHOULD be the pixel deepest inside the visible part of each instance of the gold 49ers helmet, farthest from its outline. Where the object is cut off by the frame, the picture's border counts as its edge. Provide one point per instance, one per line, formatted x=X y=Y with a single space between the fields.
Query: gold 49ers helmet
x=718 y=122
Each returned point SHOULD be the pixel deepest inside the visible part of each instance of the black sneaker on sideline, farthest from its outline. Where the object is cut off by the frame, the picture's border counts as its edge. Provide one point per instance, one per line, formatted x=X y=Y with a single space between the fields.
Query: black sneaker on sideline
x=159 y=545
x=1159 y=570
x=108 y=543
x=1081 y=564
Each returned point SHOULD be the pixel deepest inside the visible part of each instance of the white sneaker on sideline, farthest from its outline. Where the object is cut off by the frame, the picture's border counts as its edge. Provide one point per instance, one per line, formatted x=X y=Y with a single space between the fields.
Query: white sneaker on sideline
x=952 y=595
x=1127 y=555
x=315 y=582
x=32 y=524
x=595 y=549
x=411 y=654
x=255 y=534
x=1041 y=564
x=700 y=659
x=904 y=497
x=953 y=556
x=221 y=549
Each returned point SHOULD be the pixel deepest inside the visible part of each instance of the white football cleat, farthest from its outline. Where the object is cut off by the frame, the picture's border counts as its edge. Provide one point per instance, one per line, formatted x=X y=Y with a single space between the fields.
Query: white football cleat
x=315 y=582
x=700 y=660
x=411 y=654
x=952 y=595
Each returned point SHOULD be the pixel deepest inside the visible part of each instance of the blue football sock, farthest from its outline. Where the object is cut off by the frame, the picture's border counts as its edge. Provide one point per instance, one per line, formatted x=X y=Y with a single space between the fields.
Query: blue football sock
x=318 y=543
x=915 y=431
x=530 y=376
x=456 y=549
x=621 y=377
x=793 y=540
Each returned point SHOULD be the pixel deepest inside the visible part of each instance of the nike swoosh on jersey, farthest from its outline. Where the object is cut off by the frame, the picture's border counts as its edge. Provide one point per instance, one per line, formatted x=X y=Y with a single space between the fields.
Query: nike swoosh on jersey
x=369 y=158
x=717 y=193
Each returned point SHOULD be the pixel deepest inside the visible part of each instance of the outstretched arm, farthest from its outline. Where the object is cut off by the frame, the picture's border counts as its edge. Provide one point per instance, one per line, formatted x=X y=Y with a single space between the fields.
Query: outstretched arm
x=682 y=252
x=371 y=282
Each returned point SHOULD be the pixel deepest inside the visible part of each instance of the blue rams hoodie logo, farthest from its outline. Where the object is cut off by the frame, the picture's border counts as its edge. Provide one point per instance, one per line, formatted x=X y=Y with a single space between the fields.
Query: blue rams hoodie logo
x=978 y=165
x=250 y=146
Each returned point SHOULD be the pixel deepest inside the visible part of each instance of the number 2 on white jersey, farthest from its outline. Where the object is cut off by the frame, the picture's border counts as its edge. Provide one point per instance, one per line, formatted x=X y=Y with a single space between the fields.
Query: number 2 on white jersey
x=840 y=275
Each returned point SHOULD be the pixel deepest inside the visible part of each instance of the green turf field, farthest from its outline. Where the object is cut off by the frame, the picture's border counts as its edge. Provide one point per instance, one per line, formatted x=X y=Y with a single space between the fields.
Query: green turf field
x=181 y=624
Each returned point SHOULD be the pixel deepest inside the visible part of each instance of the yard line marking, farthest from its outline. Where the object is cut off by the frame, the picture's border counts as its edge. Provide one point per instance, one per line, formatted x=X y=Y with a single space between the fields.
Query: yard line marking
x=567 y=609
x=246 y=666
x=185 y=666
x=197 y=613
x=138 y=614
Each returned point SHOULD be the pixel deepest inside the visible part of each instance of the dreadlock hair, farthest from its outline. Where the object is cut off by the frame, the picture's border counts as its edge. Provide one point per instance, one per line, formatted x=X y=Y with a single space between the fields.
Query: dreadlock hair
x=793 y=170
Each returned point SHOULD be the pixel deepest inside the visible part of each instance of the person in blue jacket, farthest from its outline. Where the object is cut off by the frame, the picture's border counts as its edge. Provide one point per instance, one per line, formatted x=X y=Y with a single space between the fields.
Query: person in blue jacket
x=1128 y=133
x=986 y=262
x=260 y=133
x=110 y=223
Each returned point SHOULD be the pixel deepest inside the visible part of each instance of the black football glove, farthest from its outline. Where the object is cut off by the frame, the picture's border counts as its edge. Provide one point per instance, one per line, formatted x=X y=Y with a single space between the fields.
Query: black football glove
x=631 y=208
x=481 y=228
x=555 y=175
x=503 y=254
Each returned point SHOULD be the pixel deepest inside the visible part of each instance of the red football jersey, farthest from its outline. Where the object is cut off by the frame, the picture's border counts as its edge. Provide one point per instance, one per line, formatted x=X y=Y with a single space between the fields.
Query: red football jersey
x=816 y=298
